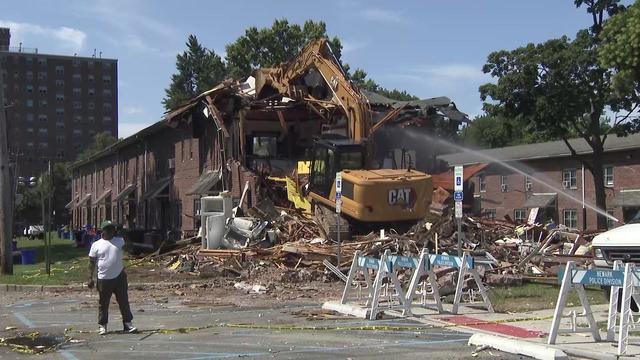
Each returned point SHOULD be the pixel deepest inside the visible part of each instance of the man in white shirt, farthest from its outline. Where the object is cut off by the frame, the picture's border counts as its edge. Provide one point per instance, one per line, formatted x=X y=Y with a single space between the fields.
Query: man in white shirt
x=106 y=255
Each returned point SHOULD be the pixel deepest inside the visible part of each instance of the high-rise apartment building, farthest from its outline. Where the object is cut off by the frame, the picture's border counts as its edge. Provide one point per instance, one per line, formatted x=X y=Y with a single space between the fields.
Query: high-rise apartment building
x=55 y=103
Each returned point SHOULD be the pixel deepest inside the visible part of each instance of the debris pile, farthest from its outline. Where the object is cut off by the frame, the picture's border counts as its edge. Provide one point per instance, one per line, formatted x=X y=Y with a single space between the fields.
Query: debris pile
x=294 y=245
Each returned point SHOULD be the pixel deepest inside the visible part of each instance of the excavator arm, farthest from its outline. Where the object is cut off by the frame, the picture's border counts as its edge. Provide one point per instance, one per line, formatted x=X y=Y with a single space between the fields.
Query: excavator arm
x=317 y=55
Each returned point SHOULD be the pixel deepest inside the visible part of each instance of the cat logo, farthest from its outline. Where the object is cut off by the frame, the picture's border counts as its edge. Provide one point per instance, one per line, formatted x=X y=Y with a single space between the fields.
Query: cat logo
x=403 y=197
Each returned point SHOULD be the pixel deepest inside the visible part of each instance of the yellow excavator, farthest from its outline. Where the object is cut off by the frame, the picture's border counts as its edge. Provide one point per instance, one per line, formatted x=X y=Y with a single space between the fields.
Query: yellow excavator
x=370 y=198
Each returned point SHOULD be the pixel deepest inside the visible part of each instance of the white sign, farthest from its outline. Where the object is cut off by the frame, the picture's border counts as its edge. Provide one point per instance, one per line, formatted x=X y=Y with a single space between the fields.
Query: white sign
x=533 y=214
x=458 y=209
x=457 y=178
x=338 y=192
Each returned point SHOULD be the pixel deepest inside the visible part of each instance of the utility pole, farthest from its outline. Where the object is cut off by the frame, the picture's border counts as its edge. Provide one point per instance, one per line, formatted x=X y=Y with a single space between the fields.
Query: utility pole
x=6 y=208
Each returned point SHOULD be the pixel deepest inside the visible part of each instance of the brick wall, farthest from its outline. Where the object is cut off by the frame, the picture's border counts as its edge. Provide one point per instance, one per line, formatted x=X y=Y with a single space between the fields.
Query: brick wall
x=626 y=171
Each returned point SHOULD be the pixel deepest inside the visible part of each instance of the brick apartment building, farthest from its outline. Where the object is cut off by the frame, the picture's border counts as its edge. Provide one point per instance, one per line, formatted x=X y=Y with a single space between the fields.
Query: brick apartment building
x=498 y=191
x=57 y=103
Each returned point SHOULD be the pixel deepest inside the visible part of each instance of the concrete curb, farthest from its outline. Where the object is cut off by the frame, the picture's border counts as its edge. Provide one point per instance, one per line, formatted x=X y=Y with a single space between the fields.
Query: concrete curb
x=520 y=347
x=79 y=287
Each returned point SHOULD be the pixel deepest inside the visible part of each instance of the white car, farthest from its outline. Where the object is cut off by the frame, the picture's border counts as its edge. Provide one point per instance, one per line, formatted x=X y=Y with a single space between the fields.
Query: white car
x=34 y=231
x=621 y=243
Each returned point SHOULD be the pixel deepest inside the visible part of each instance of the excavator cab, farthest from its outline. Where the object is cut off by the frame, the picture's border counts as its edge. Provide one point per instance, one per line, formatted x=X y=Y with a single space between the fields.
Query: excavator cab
x=329 y=157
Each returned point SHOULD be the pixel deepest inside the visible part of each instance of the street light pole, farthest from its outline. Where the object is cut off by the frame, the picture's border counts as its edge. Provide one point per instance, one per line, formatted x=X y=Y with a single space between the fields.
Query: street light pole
x=6 y=208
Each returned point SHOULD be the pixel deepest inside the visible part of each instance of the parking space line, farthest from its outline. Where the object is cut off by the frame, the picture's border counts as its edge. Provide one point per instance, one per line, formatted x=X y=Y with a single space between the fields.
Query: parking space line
x=24 y=320
x=68 y=355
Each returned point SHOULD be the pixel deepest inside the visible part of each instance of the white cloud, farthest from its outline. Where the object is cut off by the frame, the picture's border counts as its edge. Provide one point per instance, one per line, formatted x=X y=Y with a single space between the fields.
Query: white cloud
x=126 y=129
x=453 y=71
x=133 y=110
x=351 y=46
x=63 y=37
x=382 y=15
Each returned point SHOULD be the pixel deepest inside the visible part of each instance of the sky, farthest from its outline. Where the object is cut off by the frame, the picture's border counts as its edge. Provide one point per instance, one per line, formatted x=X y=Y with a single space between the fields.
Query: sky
x=429 y=48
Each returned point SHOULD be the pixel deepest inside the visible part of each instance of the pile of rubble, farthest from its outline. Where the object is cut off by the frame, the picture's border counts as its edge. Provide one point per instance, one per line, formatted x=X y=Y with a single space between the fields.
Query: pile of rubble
x=294 y=244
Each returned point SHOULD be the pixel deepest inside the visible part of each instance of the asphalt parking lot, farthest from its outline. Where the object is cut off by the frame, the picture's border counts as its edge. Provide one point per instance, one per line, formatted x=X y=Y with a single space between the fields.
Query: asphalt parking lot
x=172 y=330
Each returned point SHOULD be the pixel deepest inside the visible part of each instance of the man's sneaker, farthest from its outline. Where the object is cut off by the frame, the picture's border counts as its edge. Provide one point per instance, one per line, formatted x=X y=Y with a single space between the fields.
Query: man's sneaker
x=102 y=329
x=129 y=328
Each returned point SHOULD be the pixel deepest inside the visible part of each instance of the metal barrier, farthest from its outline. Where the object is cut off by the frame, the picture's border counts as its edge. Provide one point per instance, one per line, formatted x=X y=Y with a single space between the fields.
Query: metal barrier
x=386 y=291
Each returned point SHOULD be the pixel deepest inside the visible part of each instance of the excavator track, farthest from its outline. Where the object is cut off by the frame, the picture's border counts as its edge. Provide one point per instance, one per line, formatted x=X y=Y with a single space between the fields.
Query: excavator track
x=327 y=219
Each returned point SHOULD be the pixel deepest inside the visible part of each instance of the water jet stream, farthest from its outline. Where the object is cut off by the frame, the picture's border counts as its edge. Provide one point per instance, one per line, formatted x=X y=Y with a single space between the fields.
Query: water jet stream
x=513 y=168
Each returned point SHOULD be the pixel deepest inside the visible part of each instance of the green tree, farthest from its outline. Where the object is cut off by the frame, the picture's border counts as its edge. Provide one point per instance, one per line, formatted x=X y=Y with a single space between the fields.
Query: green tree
x=359 y=77
x=198 y=69
x=101 y=141
x=620 y=50
x=29 y=209
x=268 y=47
x=560 y=90
x=491 y=132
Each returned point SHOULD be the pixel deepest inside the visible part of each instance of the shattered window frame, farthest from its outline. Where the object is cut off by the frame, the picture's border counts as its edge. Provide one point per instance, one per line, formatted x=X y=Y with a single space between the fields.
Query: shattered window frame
x=268 y=146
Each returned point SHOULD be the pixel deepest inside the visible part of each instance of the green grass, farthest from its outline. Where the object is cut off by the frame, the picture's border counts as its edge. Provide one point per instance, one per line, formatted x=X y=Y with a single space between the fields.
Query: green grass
x=534 y=296
x=68 y=264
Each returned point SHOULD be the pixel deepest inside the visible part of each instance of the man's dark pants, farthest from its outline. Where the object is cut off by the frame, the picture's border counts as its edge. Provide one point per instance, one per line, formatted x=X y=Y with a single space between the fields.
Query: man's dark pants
x=116 y=286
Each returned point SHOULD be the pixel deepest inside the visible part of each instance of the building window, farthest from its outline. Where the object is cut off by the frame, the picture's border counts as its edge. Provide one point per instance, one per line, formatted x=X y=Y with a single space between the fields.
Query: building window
x=503 y=183
x=42 y=118
x=43 y=103
x=528 y=184
x=42 y=61
x=29 y=60
x=77 y=119
x=482 y=183
x=42 y=89
x=60 y=124
x=29 y=89
x=490 y=214
x=60 y=97
x=91 y=119
x=91 y=106
x=610 y=222
x=43 y=131
x=519 y=215
x=77 y=105
x=569 y=179
x=608 y=176
x=77 y=92
x=77 y=77
x=59 y=70
x=43 y=145
x=59 y=83
x=91 y=92
x=106 y=106
x=91 y=79
x=570 y=218
x=76 y=63
x=30 y=131
x=77 y=132
x=60 y=112
x=42 y=75
x=29 y=75
x=30 y=145
x=60 y=139
x=106 y=92
x=106 y=119
x=29 y=103
x=106 y=79
x=30 y=117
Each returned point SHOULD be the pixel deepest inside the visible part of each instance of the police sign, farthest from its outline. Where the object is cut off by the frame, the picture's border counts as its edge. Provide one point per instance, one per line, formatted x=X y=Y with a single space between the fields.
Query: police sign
x=597 y=276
